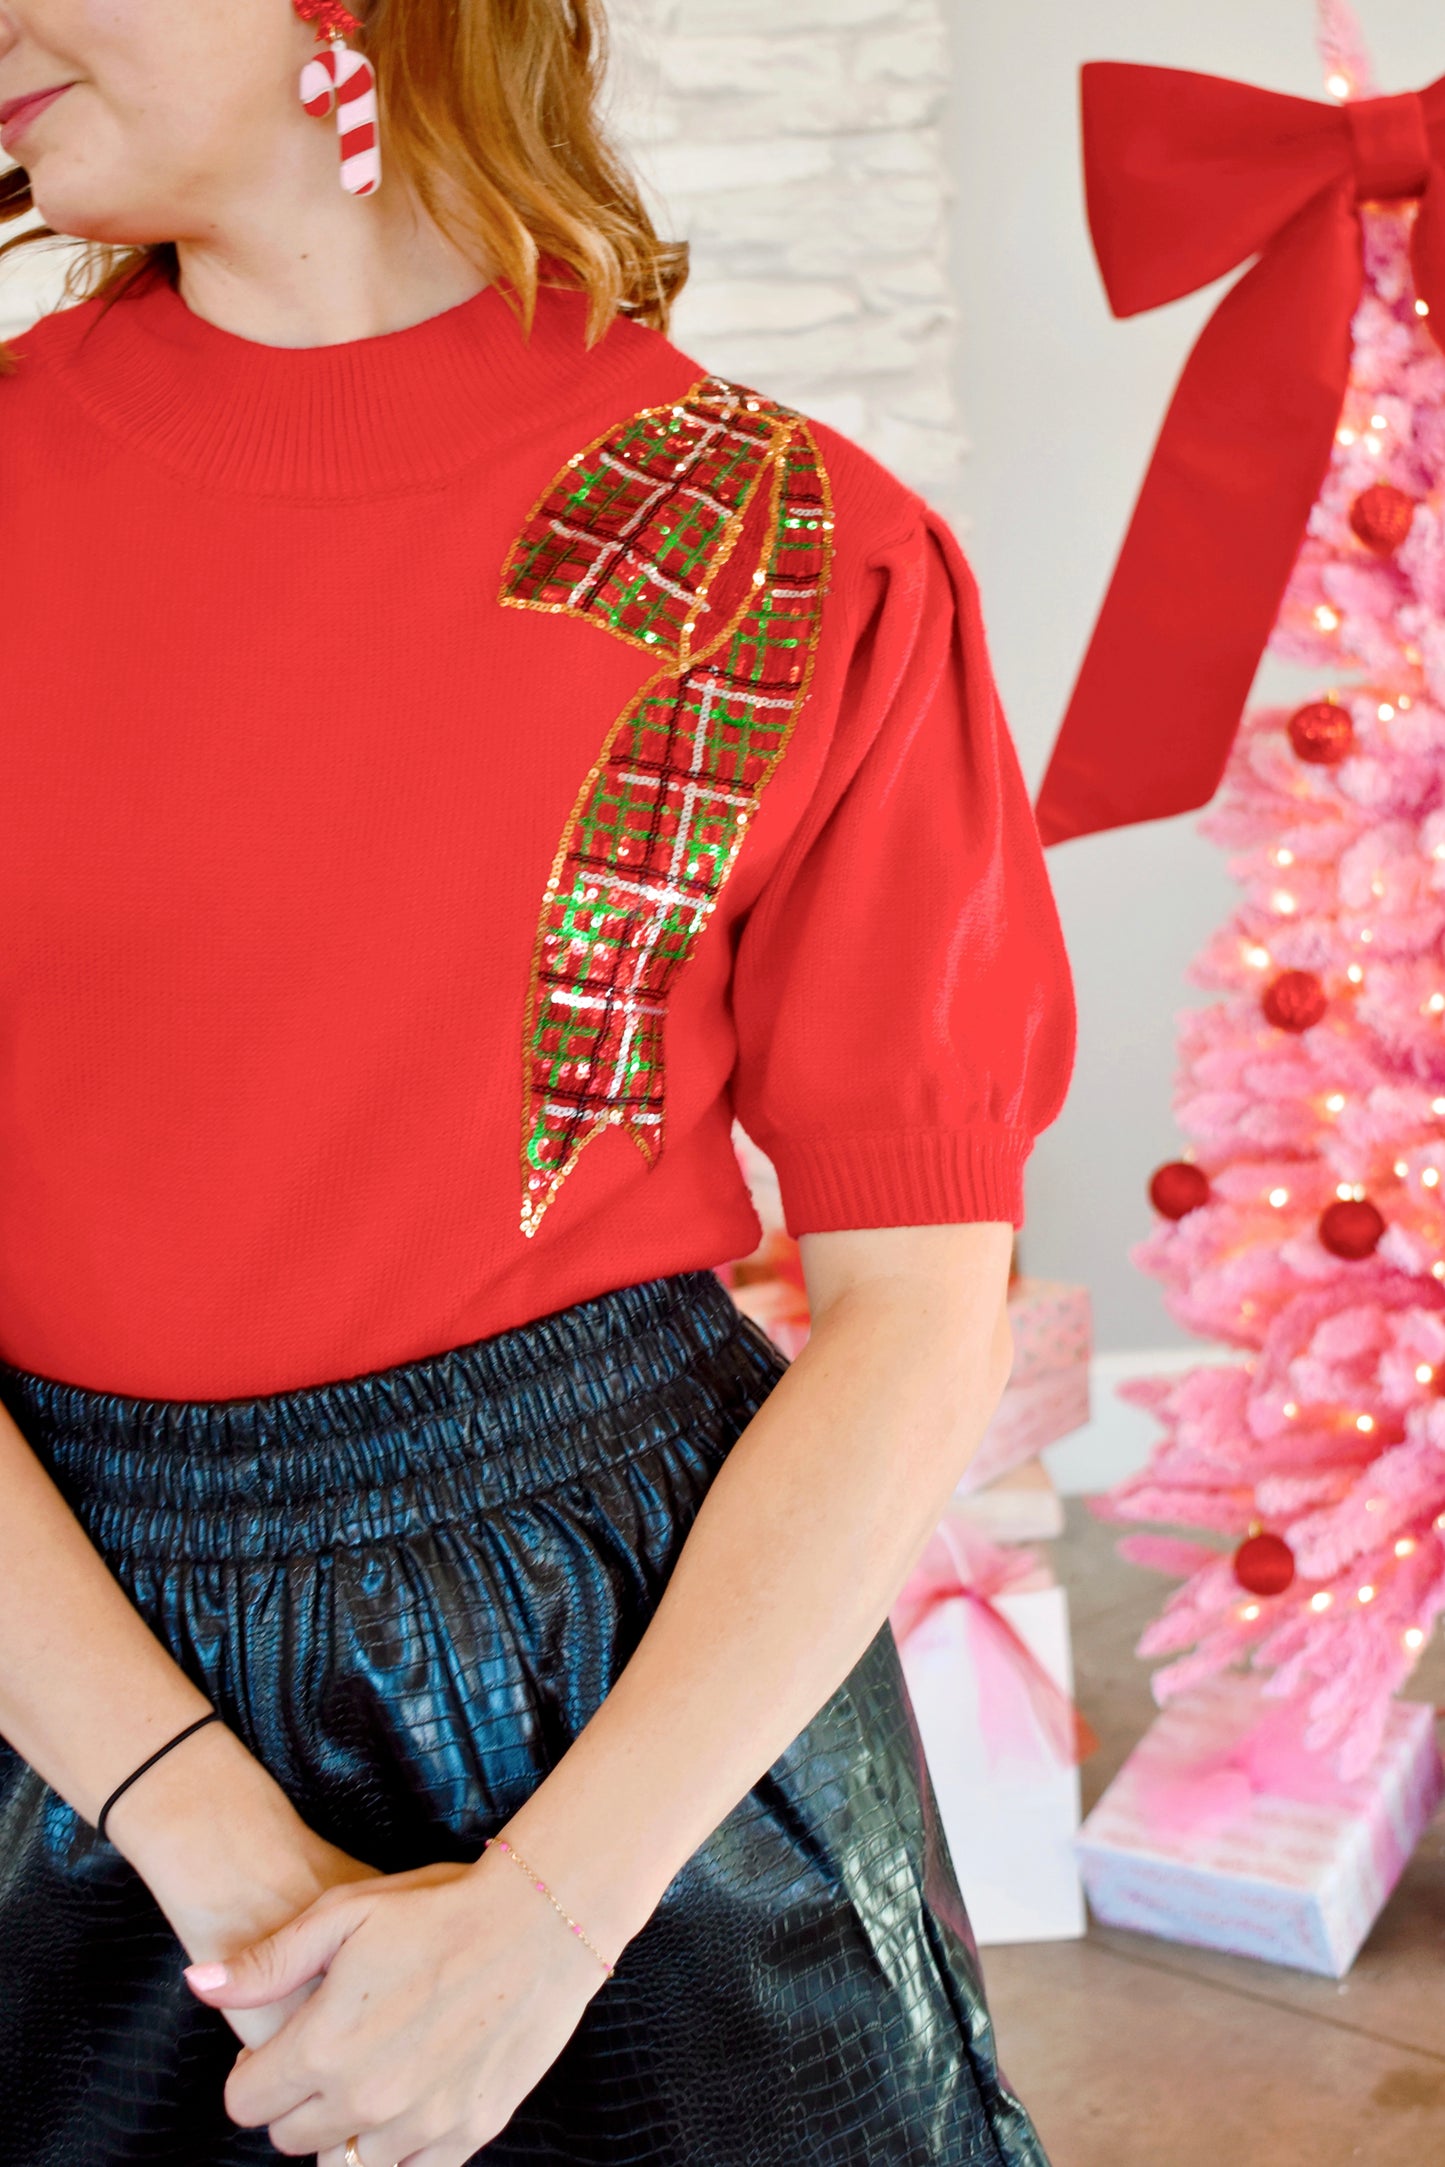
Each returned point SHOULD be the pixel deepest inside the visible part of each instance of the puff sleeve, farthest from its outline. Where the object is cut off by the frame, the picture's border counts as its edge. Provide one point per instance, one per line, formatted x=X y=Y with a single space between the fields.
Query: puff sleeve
x=902 y=998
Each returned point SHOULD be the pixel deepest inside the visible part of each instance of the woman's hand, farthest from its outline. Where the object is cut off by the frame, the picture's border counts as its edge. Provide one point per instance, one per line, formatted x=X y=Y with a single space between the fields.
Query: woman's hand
x=220 y=1918
x=227 y=1857
x=445 y=1994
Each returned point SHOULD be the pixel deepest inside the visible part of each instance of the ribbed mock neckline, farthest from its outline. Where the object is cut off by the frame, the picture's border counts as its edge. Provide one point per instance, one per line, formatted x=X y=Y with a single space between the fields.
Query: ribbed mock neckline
x=373 y=416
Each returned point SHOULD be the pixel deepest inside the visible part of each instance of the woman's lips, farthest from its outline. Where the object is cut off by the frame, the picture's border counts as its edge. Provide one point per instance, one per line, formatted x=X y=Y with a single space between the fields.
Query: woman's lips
x=17 y=113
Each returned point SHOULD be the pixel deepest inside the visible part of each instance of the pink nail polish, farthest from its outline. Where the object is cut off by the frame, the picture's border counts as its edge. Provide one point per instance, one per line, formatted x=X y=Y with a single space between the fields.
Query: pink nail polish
x=206 y=1977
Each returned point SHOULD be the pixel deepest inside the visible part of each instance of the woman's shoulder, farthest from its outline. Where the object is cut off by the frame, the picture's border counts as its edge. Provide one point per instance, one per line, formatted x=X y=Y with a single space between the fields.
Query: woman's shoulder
x=874 y=512
x=39 y=370
x=49 y=341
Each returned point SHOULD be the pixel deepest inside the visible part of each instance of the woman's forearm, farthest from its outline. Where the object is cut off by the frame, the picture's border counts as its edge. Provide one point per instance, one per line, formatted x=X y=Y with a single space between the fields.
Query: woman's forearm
x=797 y=1554
x=87 y=1692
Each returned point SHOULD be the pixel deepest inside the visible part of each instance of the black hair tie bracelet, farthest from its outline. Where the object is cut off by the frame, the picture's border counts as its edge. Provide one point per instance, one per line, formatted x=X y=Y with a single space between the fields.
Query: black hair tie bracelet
x=188 y=1732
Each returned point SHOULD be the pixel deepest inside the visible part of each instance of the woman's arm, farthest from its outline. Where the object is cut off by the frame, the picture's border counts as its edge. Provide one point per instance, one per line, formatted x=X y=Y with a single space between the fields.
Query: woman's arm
x=87 y=1692
x=797 y=1553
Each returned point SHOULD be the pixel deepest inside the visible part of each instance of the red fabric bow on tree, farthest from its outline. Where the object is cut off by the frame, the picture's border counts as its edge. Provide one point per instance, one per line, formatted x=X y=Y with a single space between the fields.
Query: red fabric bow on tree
x=1187 y=175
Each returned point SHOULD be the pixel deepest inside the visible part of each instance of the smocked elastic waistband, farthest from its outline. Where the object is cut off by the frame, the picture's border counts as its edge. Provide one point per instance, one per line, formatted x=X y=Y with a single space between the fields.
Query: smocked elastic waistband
x=373 y=1456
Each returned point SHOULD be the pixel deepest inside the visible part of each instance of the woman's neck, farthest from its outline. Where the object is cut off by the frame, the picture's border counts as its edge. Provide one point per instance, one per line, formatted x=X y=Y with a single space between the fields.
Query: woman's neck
x=356 y=270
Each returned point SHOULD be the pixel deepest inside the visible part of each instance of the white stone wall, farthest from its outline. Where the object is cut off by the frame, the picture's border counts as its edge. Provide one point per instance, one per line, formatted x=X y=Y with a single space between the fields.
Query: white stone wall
x=30 y=283
x=797 y=144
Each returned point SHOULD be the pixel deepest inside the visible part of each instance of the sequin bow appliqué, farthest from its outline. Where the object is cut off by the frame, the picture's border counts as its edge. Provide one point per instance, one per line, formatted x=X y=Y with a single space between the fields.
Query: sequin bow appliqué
x=632 y=536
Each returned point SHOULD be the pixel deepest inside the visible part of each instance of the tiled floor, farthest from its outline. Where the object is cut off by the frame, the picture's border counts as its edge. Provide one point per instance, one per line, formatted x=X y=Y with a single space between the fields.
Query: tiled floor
x=1133 y=2052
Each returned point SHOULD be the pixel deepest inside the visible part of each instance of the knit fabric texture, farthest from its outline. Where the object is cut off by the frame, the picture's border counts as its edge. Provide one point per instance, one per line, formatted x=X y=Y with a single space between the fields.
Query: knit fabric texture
x=295 y=789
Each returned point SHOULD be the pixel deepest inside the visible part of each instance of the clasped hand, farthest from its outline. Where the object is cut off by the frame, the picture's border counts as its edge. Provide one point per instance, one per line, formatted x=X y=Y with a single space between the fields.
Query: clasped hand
x=442 y=1996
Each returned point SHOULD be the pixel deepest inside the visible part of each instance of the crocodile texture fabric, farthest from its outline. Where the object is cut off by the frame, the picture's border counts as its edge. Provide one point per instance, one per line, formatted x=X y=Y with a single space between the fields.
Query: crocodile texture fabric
x=407 y=1591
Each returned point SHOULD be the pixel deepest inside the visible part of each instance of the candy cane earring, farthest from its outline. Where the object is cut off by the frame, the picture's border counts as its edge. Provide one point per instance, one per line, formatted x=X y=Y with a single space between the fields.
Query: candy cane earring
x=346 y=79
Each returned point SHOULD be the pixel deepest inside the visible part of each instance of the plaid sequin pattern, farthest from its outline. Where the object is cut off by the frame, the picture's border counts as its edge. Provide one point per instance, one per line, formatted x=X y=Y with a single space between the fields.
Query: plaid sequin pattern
x=632 y=537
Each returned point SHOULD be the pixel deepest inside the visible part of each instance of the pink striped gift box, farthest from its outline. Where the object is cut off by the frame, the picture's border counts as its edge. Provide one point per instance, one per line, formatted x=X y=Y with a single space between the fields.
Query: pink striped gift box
x=1223 y=1830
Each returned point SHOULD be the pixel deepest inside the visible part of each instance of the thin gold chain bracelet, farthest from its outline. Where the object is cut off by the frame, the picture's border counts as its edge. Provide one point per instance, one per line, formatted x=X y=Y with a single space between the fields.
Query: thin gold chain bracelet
x=542 y=1889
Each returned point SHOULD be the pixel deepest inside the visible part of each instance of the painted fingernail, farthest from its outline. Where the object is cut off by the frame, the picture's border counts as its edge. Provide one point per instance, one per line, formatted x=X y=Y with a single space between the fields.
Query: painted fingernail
x=206 y=1977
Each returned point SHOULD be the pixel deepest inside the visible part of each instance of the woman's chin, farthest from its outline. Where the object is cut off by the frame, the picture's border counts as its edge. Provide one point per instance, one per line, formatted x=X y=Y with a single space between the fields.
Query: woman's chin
x=80 y=217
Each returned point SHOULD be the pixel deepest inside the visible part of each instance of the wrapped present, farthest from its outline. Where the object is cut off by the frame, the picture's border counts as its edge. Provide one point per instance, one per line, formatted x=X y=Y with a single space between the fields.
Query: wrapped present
x=1047 y=1395
x=983 y=1634
x=1021 y=1506
x=1223 y=1829
x=1052 y=1325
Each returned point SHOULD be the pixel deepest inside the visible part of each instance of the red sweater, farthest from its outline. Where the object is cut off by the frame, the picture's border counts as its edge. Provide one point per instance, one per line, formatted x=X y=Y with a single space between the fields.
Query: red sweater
x=421 y=840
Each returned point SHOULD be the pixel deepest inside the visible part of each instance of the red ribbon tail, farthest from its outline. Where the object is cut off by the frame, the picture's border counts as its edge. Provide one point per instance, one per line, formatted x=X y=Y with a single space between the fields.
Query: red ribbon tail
x=1243 y=451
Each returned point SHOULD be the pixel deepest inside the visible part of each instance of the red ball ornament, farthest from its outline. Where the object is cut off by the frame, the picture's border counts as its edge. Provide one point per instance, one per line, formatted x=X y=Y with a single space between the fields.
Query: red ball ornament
x=1351 y=1228
x=1264 y=1564
x=1380 y=516
x=1179 y=1188
x=1322 y=733
x=1295 y=1001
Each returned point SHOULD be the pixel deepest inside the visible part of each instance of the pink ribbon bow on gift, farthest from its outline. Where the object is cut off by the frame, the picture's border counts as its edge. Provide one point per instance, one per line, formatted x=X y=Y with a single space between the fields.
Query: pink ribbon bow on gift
x=1189 y=1789
x=960 y=1563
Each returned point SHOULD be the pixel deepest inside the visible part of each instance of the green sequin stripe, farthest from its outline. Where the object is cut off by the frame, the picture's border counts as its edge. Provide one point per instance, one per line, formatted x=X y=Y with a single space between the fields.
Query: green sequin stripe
x=635 y=530
x=653 y=838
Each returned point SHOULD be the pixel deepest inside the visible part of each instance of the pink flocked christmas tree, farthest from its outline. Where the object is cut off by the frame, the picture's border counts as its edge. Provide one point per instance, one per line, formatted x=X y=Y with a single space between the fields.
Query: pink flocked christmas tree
x=1305 y=1221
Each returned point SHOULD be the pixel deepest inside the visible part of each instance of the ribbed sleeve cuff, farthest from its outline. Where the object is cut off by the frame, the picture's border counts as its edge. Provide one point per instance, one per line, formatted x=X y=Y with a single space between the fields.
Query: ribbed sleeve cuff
x=901 y=1177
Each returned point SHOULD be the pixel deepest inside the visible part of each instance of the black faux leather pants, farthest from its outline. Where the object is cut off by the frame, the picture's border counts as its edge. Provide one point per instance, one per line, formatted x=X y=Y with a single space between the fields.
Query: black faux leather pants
x=407 y=1592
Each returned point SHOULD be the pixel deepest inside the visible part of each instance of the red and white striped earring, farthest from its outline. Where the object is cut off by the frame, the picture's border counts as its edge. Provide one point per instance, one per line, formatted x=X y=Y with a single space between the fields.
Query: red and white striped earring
x=346 y=79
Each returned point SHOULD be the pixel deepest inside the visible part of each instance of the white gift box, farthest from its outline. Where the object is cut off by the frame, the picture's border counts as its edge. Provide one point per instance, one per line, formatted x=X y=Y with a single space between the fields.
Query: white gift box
x=1021 y=1506
x=1223 y=1830
x=1009 y=1803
